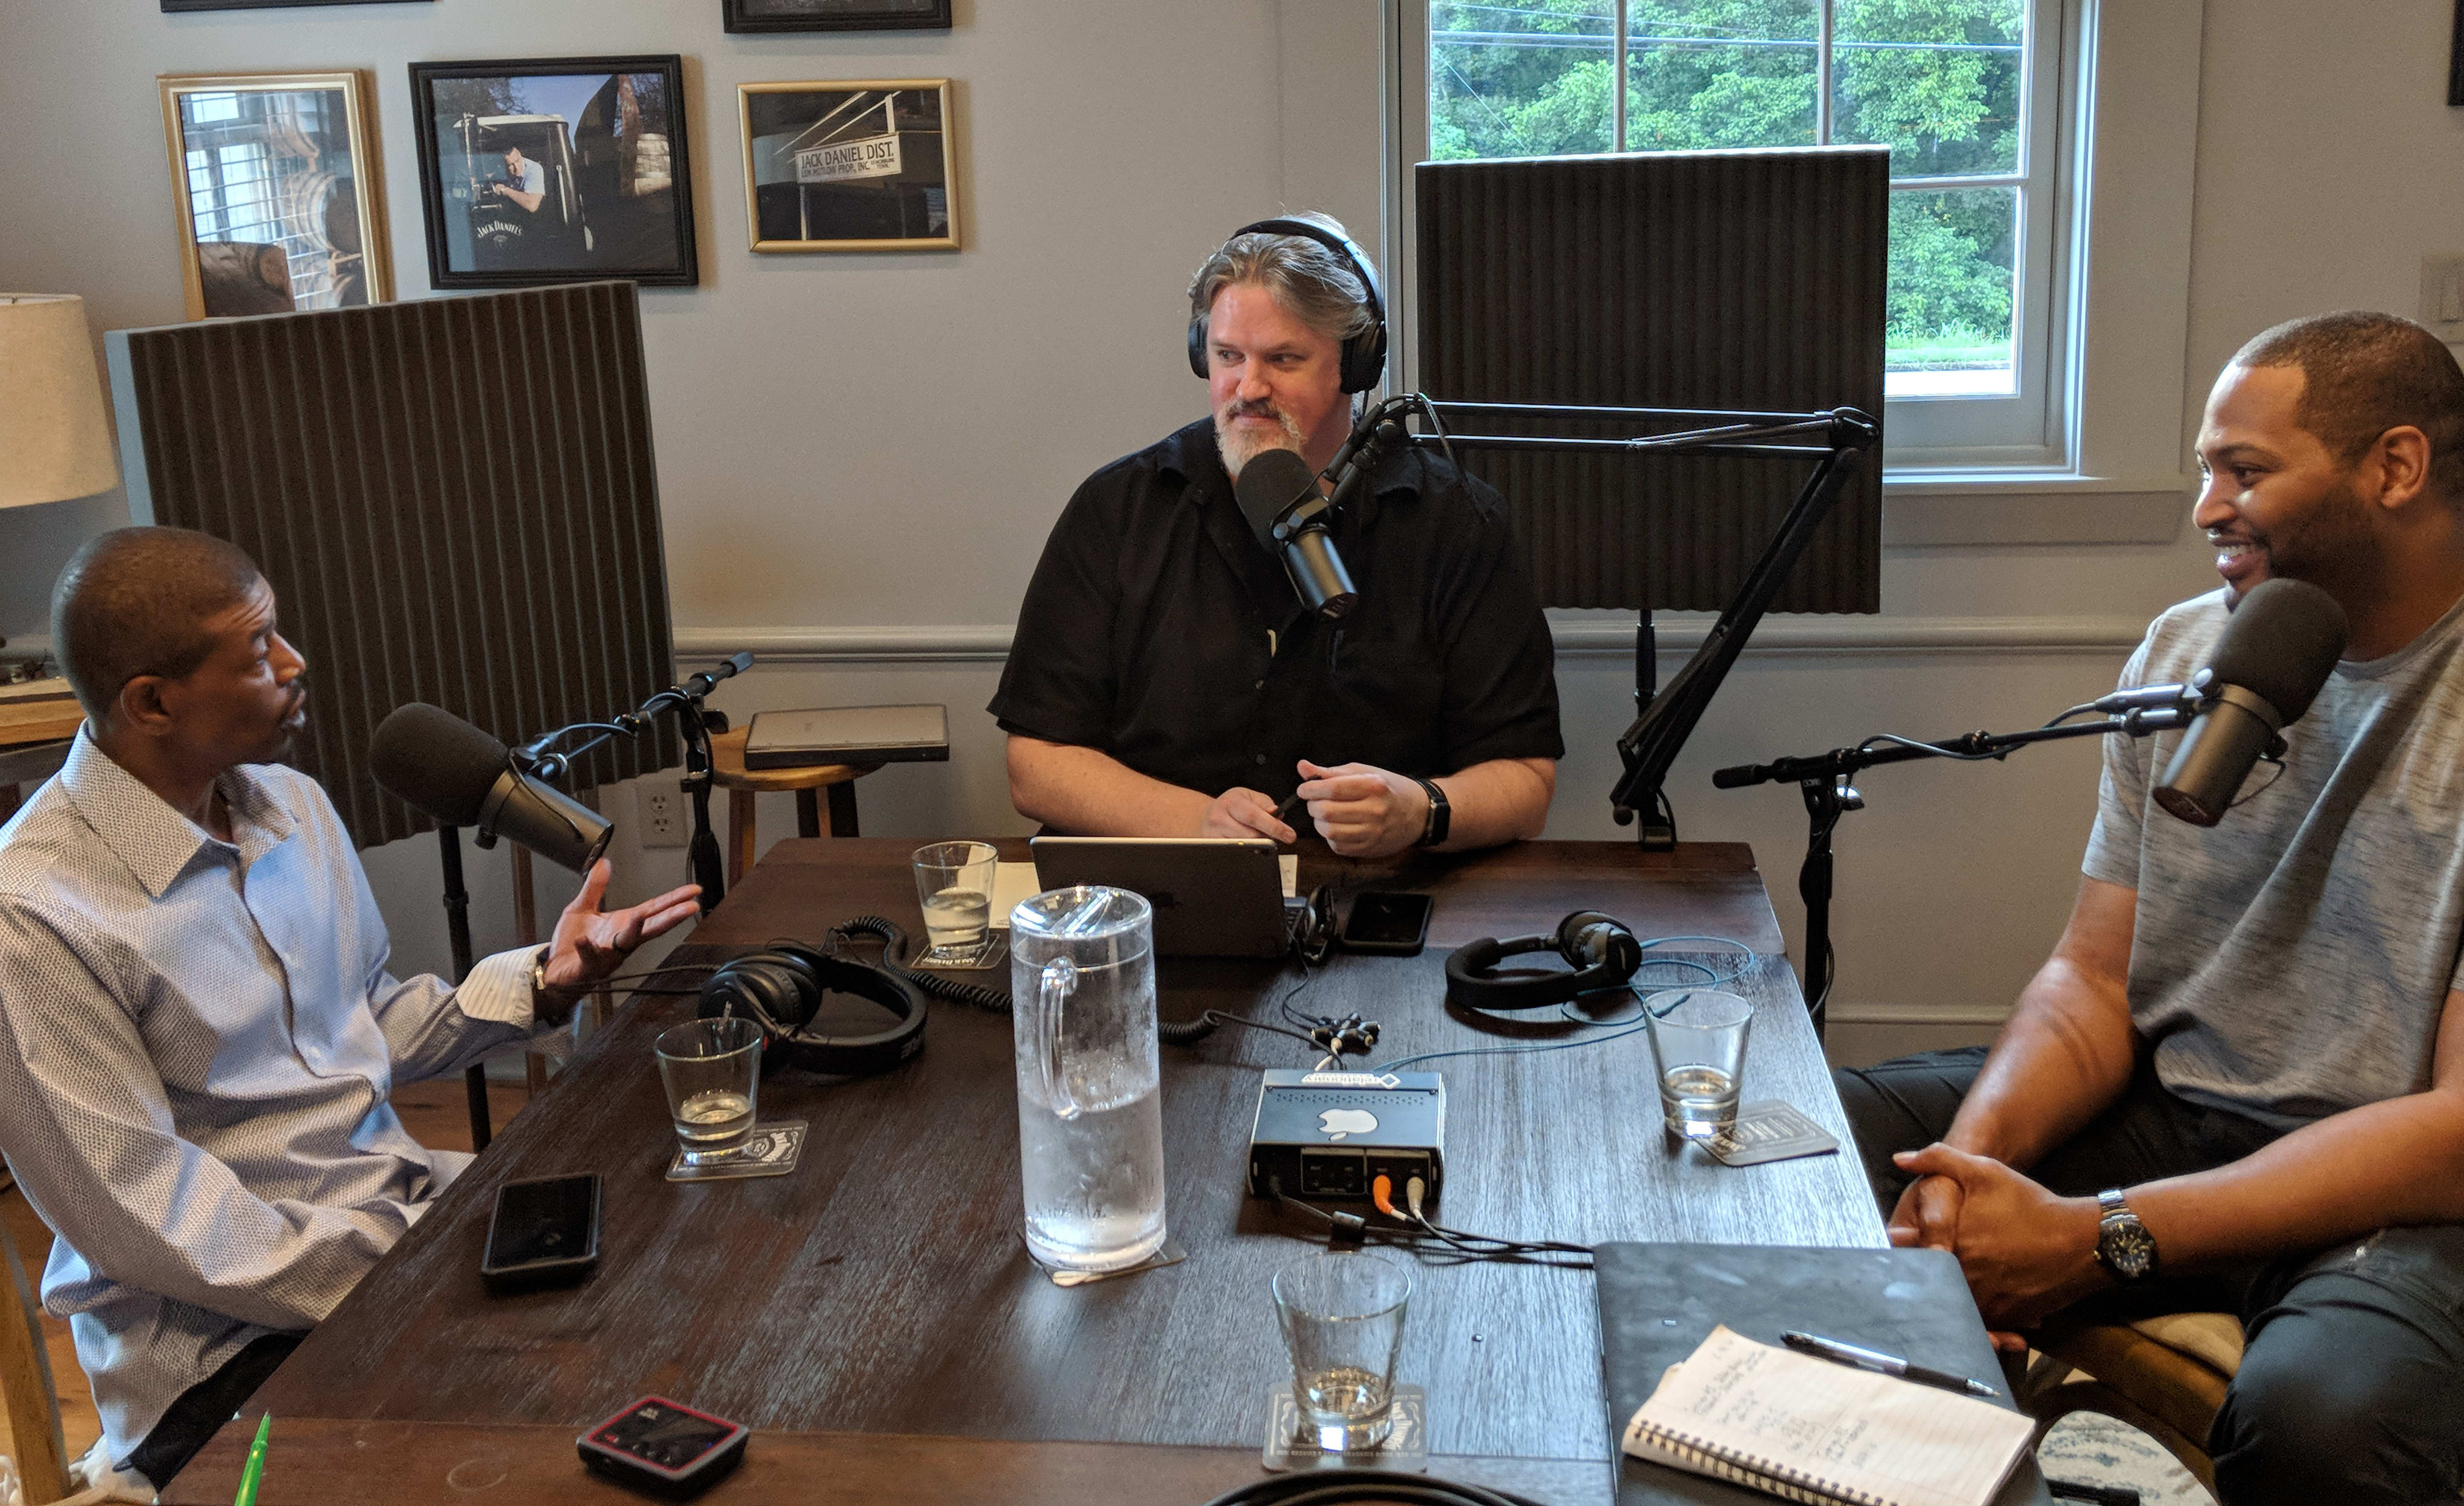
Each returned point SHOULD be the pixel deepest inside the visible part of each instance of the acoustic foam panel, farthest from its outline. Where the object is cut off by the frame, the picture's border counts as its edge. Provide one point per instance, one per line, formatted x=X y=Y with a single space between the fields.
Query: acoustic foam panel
x=453 y=499
x=1733 y=279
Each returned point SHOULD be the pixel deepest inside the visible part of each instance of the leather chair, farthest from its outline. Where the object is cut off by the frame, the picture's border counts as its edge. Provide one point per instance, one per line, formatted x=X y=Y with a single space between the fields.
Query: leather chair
x=2163 y=1376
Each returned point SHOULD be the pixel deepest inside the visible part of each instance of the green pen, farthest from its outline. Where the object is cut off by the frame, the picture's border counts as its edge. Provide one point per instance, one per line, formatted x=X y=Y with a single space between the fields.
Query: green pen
x=255 y=1469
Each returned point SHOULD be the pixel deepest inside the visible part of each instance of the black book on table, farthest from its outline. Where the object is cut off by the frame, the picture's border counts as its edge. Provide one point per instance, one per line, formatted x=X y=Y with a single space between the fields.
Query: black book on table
x=1658 y=1303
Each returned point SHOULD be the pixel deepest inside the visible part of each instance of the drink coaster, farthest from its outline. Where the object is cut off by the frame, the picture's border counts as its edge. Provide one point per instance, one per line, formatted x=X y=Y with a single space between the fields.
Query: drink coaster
x=1771 y=1130
x=994 y=952
x=1168 y=1253
x=1292 y=1443
x=767 y=1150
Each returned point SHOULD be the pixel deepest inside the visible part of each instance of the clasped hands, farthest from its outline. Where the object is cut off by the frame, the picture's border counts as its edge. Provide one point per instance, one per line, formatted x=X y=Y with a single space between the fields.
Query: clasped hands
x=2026 y=1252
x=1360 y=809
x=589 y=945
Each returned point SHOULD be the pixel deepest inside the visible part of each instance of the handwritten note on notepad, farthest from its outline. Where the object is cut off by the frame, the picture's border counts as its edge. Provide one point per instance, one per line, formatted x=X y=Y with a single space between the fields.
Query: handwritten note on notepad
x=1809 y=1431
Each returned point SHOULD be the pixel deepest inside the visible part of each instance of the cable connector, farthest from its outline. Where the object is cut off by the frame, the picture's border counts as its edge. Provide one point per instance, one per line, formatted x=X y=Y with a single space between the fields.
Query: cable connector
x=1415 y=1191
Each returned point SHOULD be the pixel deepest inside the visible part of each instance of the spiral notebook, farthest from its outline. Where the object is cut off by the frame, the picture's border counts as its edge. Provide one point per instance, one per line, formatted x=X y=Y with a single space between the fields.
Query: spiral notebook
x=1805 y=1429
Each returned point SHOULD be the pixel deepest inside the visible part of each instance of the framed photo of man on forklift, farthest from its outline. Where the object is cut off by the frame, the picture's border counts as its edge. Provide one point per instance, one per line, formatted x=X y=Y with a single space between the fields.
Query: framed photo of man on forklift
x=566 y=169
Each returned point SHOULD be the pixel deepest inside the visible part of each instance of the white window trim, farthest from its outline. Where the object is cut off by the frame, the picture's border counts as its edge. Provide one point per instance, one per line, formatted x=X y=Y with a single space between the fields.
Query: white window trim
x=2117 y=473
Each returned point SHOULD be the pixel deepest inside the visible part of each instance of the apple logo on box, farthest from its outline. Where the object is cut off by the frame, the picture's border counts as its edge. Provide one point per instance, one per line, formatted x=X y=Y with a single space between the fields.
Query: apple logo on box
x=1339 y=1122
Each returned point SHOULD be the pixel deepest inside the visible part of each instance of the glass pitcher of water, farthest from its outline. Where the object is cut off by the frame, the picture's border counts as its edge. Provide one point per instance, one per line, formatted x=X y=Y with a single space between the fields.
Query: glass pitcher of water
x=1090 y=1118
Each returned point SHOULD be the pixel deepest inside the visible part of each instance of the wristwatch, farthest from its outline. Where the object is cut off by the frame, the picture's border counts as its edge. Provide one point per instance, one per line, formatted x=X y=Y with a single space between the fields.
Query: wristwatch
x=1440 y=815
x=546 y=1005
x=2123 y=1247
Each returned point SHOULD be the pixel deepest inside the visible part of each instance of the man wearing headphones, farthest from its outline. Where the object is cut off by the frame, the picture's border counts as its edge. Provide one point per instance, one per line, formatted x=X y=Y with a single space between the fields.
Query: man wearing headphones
x=1165 y=679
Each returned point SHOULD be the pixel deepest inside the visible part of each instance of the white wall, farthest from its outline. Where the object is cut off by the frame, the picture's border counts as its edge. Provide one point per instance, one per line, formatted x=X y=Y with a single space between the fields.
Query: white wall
x=860 y=455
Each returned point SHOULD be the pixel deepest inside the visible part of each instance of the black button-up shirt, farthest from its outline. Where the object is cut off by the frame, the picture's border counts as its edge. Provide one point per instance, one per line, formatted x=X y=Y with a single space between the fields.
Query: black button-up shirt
x=1160 y=631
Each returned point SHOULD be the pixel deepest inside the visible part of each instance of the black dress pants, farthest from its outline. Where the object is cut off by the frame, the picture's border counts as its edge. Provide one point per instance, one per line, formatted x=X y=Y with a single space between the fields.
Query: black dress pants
x=204 y=1406
x=2351 y=1388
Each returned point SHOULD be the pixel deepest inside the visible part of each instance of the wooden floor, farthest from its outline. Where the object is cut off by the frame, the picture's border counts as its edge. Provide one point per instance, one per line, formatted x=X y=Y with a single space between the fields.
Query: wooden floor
x=437 y=1117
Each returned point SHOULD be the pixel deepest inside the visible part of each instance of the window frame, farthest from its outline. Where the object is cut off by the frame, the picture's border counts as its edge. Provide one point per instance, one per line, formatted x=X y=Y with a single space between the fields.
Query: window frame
x=1931 y=439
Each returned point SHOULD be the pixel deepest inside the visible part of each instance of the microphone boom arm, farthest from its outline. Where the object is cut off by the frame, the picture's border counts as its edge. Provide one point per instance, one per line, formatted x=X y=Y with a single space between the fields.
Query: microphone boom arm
x=1824 y=778
x=535 y=758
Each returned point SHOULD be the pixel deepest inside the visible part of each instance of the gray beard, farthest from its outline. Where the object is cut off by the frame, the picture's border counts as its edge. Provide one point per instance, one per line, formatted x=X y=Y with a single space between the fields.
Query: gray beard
x=1239 y=449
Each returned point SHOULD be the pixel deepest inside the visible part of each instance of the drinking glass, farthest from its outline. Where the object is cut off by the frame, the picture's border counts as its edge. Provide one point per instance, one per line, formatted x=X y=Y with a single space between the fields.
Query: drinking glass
x=954 y=884
x=1342 y=1318
x=712 y=1069
x=1698 y=1041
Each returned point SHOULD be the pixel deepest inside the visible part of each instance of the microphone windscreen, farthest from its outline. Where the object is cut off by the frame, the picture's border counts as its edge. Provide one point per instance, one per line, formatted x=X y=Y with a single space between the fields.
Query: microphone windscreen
x=2282 y=644
x=1272 y=480
x=435 y=762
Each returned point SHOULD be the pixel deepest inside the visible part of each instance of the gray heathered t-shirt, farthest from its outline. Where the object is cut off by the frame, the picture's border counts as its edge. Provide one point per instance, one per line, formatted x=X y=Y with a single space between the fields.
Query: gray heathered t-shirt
x=2292 y=960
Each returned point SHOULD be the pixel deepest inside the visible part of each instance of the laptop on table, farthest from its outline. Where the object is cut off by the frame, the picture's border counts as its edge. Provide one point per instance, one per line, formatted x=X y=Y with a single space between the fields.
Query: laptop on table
x=1213 y=896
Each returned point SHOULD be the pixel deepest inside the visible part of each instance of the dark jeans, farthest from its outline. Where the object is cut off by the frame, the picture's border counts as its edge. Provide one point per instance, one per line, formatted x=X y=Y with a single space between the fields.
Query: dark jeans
x=2351 y=1388
x=204 y=1407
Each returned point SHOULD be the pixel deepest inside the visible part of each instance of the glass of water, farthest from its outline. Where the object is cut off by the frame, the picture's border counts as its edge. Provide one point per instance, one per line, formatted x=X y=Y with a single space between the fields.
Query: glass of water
x=1342 y=1318
x=953 y=883
x=712 y=1069
x=1698 y=1041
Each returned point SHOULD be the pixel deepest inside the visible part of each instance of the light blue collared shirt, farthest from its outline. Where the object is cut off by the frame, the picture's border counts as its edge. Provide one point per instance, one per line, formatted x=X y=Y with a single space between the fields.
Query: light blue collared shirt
x=197 y=1041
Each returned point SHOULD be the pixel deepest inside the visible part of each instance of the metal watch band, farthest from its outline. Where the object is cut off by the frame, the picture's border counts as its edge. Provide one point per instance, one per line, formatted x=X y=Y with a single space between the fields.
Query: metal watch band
x=1433 y=831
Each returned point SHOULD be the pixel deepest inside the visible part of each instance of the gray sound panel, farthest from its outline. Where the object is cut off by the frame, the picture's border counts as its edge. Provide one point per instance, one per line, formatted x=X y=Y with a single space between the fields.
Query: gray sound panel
x=454 y=500
x=1744 y=280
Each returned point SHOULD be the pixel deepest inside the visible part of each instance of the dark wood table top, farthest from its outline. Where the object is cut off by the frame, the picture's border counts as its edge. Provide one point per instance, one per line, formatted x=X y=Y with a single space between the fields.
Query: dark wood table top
x=881 y=1293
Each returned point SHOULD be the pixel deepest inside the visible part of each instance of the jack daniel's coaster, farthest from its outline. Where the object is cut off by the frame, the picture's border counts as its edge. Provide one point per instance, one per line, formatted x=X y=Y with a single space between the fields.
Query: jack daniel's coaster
x=1770 y=1131
x=1292 y=1443
x=768 y=1150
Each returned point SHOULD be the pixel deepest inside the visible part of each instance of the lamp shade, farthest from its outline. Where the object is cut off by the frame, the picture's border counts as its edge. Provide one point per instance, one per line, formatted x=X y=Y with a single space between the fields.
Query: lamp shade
x=55 y=442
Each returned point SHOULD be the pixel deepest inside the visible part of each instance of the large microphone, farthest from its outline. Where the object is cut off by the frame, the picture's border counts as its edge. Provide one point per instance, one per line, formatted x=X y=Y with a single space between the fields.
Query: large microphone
x=436 y=763
x=2280 y=646
x=1278 y=494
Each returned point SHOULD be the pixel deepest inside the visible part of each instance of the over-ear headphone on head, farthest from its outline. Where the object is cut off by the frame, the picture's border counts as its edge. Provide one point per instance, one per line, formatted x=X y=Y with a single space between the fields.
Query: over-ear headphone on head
x=1600 y=949
x=781 y=990
x=1364 y=355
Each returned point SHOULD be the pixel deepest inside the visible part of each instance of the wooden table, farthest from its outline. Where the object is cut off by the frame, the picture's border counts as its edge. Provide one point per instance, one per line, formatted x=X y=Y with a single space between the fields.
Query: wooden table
x=875 y=1313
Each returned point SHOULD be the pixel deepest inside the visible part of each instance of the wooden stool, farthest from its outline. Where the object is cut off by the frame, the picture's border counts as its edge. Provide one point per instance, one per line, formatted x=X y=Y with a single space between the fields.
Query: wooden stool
x=729 y=773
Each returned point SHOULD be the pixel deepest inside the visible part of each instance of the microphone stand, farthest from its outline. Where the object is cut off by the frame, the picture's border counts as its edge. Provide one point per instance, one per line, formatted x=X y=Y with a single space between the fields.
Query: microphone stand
x=1825 y=780
x=697 y=721
x=1834 y=443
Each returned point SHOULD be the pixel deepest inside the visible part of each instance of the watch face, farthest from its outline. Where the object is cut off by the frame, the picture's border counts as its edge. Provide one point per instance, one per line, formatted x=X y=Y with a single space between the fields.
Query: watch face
x=2127 y=1249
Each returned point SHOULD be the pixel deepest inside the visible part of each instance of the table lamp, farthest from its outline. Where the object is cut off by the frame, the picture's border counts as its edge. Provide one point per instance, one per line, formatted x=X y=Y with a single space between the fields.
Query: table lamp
x=54 y=441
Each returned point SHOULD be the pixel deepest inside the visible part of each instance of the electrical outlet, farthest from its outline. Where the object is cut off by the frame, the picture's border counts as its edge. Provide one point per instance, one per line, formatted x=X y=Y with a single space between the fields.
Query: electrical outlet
x=663 y=815
x=2442 y=296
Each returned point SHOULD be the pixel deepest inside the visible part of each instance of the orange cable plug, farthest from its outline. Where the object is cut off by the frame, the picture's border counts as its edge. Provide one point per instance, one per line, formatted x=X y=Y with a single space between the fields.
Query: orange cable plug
x=1381 y=1192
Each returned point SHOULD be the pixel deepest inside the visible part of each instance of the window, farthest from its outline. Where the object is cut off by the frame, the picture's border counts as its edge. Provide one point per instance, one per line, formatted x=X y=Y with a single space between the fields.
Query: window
x=1966 y=94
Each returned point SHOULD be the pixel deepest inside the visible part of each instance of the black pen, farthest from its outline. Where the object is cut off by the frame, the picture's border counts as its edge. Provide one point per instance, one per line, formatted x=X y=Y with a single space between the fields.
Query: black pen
x=1837 y=1353
x=1290 y=809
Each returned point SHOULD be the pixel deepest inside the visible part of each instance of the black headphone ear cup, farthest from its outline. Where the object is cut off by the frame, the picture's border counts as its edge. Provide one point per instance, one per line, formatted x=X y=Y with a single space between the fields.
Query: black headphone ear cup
x=1581 y=938
x=1364 y=358
x=1197 y=348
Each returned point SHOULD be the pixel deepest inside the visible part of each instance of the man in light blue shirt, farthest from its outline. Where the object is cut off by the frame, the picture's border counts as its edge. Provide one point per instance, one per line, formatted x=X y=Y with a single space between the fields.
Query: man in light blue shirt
x=198 y=1031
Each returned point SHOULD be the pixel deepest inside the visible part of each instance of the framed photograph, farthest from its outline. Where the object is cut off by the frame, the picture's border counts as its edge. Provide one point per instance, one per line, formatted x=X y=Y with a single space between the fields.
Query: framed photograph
x=273 y=177
x=564 y=169
x=2455 y=60
x=175 y=7
x=835 y=15
x=859 y=165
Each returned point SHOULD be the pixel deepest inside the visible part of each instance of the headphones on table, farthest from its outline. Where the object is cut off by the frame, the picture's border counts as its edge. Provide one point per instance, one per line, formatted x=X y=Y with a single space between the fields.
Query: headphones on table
x=1364 y=355
x=1600 y=949
x=781 y=990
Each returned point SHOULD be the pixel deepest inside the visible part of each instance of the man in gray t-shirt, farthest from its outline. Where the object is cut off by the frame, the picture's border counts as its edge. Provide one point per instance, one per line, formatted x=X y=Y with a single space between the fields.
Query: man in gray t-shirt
x=2239 y=1081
